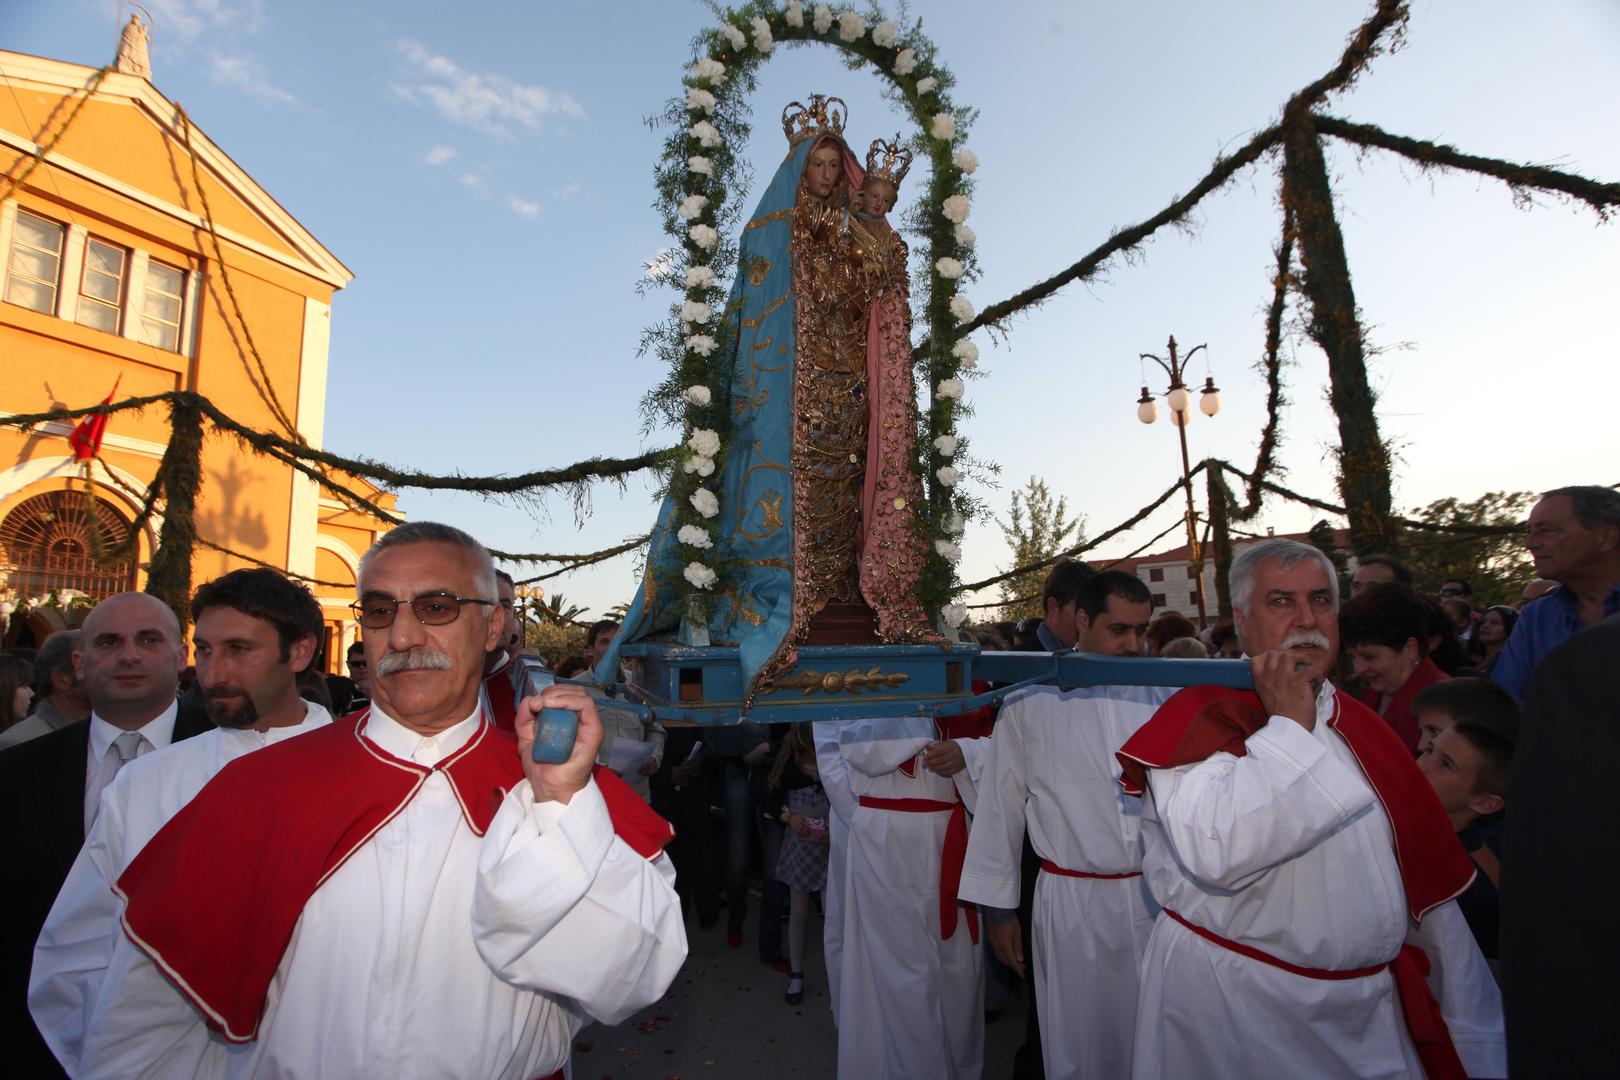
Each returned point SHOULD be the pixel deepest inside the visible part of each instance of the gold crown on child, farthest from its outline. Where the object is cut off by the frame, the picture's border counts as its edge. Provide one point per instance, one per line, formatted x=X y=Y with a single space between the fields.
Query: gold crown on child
x=888 y=161
x=823 y=116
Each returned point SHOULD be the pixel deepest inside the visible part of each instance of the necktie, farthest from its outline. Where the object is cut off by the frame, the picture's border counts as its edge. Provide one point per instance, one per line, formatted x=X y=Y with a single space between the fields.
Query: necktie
x=128 y=747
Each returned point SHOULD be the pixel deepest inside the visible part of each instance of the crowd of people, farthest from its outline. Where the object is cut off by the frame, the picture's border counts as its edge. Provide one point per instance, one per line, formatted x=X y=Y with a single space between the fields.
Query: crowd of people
x=275 y=873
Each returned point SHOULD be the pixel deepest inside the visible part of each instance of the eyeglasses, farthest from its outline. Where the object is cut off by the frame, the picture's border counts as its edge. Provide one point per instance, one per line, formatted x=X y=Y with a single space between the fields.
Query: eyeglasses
x=1450 y=590
x=431 y=609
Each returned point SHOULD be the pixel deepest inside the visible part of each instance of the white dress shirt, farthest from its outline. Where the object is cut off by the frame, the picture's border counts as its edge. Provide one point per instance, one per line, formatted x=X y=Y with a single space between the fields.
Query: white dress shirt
x=101 y=763
x=430 y=952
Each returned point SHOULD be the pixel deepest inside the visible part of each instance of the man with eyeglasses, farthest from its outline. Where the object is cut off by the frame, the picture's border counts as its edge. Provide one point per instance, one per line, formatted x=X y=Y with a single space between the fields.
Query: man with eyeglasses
x=406 y=892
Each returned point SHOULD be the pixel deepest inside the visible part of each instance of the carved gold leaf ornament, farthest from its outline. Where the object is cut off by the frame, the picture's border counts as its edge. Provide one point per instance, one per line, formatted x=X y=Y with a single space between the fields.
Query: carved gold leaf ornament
x=853 y=681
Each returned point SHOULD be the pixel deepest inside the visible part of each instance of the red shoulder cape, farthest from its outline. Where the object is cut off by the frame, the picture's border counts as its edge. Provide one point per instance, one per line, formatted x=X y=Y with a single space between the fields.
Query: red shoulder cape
x=1203 y=720
x=294 y=812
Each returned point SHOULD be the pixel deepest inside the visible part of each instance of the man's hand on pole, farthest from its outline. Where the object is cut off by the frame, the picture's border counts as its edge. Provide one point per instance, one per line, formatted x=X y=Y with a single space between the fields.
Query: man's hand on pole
x=558 y=783
x=1283 y=682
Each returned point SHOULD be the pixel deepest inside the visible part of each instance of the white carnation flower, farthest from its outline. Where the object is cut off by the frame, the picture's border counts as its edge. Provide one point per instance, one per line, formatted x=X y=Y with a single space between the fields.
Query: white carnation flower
x=704 y=442
x=948 y=267
x=965 y=235
x=699 y=277
x=948 y=476
x=703 y=466
x=711 y=69
x=762 y=34
x=946 y=445
x=962 y=309
x=956 y=209
x=956 y=524
x=943 y=126
x=949 y=388
x=699 y=575
x=948 y=550
x=703 y=345
x=698 y=98
x=851 y=25
x=821 y=18
x=905 y=62
x=692 y=207
x=926 y=84
x=967 y=353
x=700 y=165
x=885 y=35
x=704 y=502
x=695 y=311
x=695 y=536
x=698 y=395
x=735 y=36
x=953 y=615
x=795 y=14
x=704 y=236
x=705 y=133
x=966 y=160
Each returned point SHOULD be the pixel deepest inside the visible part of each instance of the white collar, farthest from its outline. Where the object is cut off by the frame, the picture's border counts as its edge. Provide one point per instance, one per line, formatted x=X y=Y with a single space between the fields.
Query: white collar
x=400 y=741
x=314 y=716
x=159 y=731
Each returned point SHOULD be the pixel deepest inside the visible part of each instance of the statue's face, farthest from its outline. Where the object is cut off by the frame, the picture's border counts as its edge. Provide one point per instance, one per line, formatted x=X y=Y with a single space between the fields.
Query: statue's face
x=878 y=197
x=821 y=174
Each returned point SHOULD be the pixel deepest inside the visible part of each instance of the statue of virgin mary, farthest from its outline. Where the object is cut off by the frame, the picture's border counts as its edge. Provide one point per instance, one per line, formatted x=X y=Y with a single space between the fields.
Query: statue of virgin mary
x=818 y=492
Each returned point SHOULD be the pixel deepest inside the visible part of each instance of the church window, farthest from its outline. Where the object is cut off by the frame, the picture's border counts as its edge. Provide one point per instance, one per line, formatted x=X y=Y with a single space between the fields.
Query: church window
x=101 y=289
x=48 y=543
x=34 y=264
x=161 y=306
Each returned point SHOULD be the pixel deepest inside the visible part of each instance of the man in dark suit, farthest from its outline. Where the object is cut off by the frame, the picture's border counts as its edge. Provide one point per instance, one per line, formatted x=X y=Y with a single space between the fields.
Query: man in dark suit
x=1559 y=874
x=129 y=657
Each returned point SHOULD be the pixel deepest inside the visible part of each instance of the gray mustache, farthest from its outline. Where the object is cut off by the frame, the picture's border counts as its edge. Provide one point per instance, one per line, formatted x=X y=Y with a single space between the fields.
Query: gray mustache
x=1309 y=637
x=420 y=658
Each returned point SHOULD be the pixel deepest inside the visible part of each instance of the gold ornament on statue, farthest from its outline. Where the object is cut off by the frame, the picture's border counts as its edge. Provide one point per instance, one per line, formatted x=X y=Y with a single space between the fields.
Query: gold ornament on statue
x=823 y=116
x=888 y=161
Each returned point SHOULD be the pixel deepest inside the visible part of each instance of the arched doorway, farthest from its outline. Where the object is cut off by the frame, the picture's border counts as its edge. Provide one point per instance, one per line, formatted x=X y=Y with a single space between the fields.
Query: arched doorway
x=47 y=543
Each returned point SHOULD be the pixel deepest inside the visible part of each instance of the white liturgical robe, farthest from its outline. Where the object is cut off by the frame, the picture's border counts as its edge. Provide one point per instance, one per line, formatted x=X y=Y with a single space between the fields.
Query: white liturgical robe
x=431 y=951
x=83 y=929
x=1288 y=850
x=910 y=1004
x=1051 y=763
x=842 y=787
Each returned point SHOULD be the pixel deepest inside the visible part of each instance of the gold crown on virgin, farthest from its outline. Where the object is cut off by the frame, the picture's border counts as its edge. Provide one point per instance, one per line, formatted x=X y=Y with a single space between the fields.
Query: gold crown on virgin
x=888 y=161
x=823 y=116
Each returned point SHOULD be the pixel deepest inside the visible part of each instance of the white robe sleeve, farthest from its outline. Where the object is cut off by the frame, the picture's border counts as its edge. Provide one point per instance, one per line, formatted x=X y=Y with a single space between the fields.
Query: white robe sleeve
x=834 y=770
x=992 y=873
x=76 y=944
x=1229 y=818
x=879 y=747
x=141 y=1026
x=1465 y=988
x=565 y=907
x=974 y=754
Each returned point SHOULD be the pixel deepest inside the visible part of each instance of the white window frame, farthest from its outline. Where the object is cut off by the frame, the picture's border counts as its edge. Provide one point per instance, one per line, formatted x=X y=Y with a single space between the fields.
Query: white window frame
x=12 y=239
x=117 y=305
x=136 y=320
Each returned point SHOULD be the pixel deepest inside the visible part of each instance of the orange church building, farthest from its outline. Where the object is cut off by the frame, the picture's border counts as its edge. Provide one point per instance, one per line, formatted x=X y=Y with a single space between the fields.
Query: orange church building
x=111 y=277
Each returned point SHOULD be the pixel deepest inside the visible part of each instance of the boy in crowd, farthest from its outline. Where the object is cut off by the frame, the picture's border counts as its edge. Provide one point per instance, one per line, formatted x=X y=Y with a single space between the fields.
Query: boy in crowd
x=1468 y=728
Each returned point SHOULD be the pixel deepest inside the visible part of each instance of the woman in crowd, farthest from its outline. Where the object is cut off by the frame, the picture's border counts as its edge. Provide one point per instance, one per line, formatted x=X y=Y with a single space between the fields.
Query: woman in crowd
x=1169 y=626
x=16 y=689
x=1384 y=631
x=1491 y=635
x=797 y=800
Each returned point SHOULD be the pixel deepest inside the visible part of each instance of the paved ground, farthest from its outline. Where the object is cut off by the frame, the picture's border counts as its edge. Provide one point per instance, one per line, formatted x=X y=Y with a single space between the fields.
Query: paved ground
x=724 y=1018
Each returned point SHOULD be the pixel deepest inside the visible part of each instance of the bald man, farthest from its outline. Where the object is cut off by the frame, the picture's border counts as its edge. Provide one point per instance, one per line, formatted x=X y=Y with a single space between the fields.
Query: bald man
x=129 y=658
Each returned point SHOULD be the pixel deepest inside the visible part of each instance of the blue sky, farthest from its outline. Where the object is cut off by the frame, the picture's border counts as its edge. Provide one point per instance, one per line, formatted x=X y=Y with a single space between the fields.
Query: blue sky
x=485 y=171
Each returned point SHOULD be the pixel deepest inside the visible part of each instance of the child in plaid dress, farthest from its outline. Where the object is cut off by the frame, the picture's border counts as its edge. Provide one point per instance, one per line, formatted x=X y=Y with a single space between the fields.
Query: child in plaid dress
x=798 y=801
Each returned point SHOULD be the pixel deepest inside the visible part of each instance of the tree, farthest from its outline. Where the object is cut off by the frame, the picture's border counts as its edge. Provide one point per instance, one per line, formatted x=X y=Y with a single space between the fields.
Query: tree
x=1037 y=528
x=1322 y=539
x=1494 y=563
x=554 y=640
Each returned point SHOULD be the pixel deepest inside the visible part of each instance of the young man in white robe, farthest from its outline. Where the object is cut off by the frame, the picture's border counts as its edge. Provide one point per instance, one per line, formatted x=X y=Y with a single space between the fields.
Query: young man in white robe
x=911 y=973
x=404 y=894
x=1051 y=764
x=1307 y=874
x=841 y=786
x=255 y=630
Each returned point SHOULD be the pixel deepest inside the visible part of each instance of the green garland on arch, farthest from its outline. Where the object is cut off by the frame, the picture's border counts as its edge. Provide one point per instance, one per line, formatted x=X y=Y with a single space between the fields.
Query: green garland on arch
x=701 y=181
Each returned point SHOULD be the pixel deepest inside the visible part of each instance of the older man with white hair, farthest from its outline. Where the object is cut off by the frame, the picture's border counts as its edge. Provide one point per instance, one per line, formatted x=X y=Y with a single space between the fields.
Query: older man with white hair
x=1306 y=871
x=407 y=892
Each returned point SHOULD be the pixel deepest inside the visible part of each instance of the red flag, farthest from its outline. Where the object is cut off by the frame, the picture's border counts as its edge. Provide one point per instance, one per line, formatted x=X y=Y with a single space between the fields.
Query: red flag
x=86 y=437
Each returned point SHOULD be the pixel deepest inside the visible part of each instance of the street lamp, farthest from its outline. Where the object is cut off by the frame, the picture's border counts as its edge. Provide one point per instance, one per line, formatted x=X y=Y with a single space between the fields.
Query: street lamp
x=1179 y=398
x=528 y=598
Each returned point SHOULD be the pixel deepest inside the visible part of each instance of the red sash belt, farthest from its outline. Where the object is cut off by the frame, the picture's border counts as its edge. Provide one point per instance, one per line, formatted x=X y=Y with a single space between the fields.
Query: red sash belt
x=1410 y=970
x=951 y=859
x=558 y=1075
x=1053 y=868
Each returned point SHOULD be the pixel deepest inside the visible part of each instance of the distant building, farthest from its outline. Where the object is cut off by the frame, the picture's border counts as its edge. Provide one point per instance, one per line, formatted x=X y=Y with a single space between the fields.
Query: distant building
x=1169 y=576
x=109 y=276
